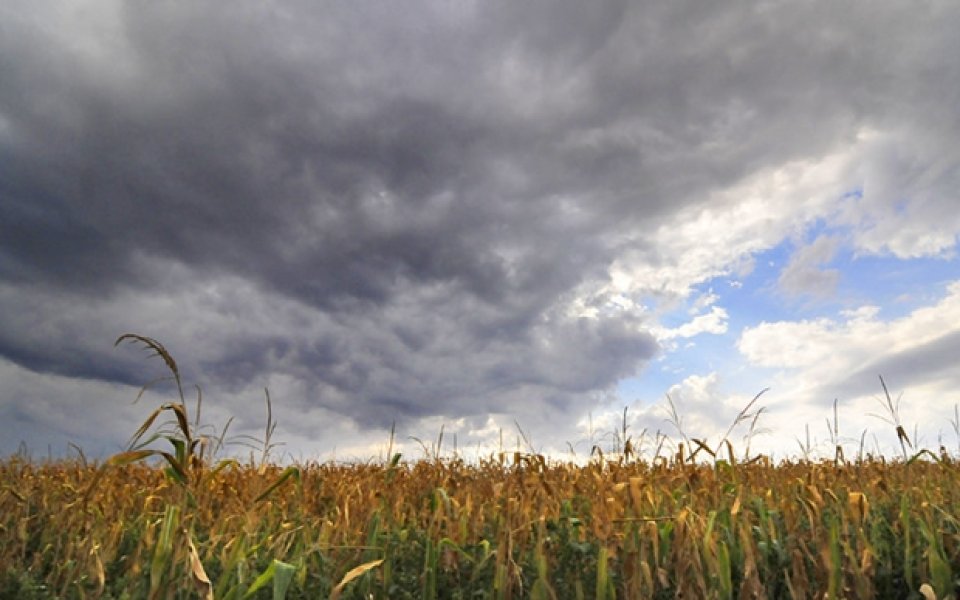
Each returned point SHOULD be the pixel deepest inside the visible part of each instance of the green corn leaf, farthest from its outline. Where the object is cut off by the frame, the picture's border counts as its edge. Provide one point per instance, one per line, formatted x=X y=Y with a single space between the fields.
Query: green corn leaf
x=289 y=472
x=280 y=573
x=163 y=551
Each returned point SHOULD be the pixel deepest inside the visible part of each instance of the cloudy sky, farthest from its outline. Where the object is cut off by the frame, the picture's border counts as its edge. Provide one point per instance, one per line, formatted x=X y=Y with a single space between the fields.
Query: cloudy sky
x=479 y=215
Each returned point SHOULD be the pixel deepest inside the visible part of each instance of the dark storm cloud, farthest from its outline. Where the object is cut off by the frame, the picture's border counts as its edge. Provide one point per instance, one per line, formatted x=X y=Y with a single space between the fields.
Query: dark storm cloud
x=409 y=196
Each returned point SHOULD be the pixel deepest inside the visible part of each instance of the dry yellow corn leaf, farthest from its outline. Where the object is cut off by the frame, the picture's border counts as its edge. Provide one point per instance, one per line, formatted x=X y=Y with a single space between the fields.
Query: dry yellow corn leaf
x=98 y=573
x=927 y=592
x=735 y=509
x=353 y=574
x=197 y=571
x=859 y=505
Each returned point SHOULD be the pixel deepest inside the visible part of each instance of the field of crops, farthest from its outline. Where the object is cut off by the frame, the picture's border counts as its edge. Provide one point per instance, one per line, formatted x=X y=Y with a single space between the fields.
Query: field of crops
x=166 y=519
x=522 y=527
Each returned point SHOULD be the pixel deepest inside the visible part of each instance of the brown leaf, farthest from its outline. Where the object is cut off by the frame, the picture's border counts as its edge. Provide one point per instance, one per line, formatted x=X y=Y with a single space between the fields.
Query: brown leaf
x=197 y=571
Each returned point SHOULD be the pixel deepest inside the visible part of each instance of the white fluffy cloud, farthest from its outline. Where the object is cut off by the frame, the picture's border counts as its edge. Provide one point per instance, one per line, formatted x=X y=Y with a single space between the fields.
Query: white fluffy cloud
x=881 y=192
x=714 y=322
x=822 y=359
x=718 y=238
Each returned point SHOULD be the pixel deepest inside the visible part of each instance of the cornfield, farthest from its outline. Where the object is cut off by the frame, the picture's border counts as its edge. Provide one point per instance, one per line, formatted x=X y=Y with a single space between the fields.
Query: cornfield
x=175 y=523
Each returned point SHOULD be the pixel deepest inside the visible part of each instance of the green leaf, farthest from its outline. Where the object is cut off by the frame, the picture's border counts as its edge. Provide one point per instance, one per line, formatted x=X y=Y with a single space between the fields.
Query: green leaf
x=223 y=464
x=176 y=470
x=163 y=551
x=289 y=472
x=282 y=578
x=180 y=449
x=262 y=580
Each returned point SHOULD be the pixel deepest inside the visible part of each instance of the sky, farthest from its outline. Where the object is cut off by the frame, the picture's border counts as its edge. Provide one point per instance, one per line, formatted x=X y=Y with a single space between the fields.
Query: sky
x=521 y=224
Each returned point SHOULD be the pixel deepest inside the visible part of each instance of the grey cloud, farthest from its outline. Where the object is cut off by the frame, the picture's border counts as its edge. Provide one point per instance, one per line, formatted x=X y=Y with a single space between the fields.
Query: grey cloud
x=415 y=358
x=408 y=198
x=805 y=275
x=921 y=365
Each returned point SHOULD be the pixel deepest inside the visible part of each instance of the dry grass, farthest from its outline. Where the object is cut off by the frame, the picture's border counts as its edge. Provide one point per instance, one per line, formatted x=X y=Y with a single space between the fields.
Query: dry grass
x=507 y=526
